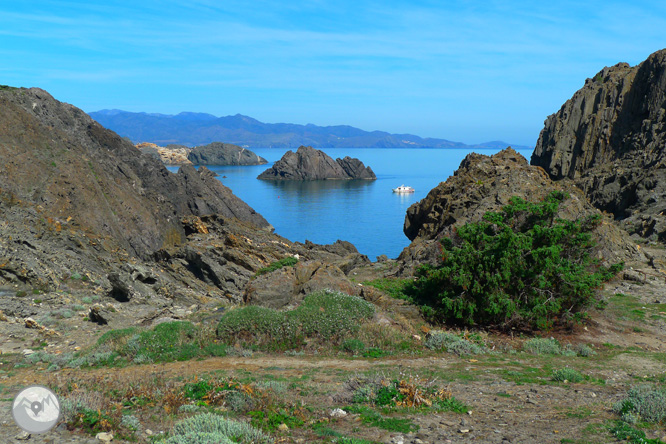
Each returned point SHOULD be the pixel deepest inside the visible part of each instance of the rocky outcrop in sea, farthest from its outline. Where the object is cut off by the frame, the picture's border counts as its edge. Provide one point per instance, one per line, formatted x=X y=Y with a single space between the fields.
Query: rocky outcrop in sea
x=610 y=139
x=218 y=153
x=308 y=163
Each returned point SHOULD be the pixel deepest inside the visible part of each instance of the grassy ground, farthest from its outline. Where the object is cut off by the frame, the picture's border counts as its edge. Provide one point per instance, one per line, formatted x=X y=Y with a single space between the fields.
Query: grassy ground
x=374 y=381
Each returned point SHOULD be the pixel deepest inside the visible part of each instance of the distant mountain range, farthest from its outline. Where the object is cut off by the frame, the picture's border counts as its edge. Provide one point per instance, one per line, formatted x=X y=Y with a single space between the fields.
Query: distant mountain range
x=193 y=129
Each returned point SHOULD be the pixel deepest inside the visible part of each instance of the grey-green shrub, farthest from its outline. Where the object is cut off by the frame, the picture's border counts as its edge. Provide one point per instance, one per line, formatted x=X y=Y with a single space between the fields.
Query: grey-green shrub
x=277 y=387
x=567 y=374
x=238 y=401
x=440 y=340
x=646 y=401
x=542 y=346
x=199 y=438
x=197 y=428
x=130 y=422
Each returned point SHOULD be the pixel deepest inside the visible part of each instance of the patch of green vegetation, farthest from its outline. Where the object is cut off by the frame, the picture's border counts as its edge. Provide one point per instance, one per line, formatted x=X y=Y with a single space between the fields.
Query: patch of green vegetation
x=325 y=316
x=285 y=262
x=269 y=421
x=375 y=419
x=353 y=346
x=542 y=346
x=169 y=341
x=625 y=432
x=394 y=287
x=567 y=374
x=581 y=412
x=7 y=88
x=521 y=267
x=374 y=352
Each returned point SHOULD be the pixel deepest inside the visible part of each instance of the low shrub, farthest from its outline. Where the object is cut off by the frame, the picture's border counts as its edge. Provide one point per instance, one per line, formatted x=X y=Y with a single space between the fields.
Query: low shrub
x=567 y=374
x=647 y=402
x=325 y=316
x=208 y=428
x=439 y=340
x=169 y=341
x=542 y=346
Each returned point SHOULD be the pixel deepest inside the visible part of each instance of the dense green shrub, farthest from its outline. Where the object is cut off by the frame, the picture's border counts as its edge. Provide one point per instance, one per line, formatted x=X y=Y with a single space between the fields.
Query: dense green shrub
x=323 y=315
x=519 y=267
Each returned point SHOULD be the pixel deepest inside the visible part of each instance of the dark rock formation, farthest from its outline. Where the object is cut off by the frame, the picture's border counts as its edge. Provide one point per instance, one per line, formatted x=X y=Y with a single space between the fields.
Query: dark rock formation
x=75 y=196
x=225 y=254
x=75 y=168
x=217 y=153
x=310 y=164
x=610 y=139
x=487 y=183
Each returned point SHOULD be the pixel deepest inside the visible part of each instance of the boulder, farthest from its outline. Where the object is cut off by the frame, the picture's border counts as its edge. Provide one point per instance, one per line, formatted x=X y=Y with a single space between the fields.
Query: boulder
x=287 y=286
x=308 y=163
x=217 y=153
x=610 y=139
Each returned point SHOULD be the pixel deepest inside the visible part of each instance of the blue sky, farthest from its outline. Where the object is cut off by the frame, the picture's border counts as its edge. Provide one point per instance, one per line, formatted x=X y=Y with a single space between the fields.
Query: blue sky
x=469 y=71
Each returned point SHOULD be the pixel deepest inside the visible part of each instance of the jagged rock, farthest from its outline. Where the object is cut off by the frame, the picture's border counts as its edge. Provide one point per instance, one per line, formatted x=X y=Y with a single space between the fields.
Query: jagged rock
x=308 y=163
x=610 y=139
x=355 y=168
x=217 y=153
x=121 y=288
x=99 y=315
x=31 y=323
x=487 y=183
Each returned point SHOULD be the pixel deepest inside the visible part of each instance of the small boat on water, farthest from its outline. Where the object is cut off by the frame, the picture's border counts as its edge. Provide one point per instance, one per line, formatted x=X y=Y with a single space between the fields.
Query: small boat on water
x=403 y=189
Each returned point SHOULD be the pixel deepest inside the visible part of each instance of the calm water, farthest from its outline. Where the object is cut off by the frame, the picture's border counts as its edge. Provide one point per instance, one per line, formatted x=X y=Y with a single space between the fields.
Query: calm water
x=365 y=213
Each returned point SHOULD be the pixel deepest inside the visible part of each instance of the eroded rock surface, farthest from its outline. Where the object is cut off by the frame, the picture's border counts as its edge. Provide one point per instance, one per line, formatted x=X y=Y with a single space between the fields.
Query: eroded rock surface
x=610 y=139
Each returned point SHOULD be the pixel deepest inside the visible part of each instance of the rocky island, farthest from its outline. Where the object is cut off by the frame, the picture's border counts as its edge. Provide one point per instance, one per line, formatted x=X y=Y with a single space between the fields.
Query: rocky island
x=308 y=163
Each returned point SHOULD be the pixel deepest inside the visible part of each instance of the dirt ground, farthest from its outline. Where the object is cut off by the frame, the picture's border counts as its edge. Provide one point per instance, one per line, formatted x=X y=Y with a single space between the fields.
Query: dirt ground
x=510 y=395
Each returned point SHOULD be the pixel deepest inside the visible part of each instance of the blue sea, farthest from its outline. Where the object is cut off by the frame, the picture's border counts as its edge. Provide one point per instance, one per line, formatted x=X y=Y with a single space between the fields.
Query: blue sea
x=365 y=213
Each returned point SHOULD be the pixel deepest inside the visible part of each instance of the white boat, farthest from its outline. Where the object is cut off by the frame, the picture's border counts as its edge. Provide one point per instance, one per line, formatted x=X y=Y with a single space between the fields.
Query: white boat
x=403 y=189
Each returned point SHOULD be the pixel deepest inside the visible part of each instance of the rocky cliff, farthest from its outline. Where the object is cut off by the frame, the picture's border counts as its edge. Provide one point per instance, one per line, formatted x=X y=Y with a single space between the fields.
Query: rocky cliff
x=66 y=182
x=84 y=212
x=610 y=139
x=310 y=164
x=217 y=153
x=487 y=183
